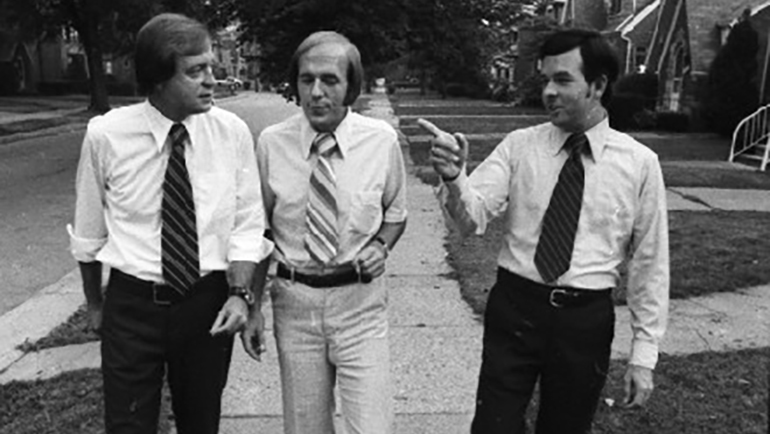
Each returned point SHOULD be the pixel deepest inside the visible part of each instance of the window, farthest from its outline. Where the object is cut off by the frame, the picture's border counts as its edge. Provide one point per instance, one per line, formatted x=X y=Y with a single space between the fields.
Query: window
x=615 y=7
x=640 y=59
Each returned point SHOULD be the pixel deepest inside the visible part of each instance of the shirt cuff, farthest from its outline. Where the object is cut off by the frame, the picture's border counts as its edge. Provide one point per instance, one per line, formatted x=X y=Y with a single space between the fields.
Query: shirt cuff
x=84 y=249
x=644 y=354
x=247 y=251
x=394 y=216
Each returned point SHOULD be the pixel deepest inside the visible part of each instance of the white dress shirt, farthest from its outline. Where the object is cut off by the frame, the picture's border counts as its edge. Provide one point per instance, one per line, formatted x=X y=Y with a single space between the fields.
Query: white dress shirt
x=119 y=190
x=370 y=180
x=623 y=215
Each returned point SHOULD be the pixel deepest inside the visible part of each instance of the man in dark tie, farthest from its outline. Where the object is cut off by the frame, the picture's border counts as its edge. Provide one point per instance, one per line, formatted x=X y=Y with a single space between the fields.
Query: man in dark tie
x=168 y=197
x=334 y=186
x=579 y=199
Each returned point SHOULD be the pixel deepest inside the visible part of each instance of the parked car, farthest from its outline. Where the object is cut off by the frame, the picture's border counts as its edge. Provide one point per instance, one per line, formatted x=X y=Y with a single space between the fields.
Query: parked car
x=235 y=81
x=231 y=83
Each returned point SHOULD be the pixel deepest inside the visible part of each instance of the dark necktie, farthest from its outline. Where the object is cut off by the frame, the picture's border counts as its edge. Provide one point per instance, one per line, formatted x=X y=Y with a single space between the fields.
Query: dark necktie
x=179 y=237
x=557 y=238
x=321 y=240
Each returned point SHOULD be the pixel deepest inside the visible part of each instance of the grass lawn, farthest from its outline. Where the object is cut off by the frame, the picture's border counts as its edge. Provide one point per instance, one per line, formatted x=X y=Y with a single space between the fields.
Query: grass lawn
x=707 y=393
x=73 y=331
x=731 y=259
x=71 y=403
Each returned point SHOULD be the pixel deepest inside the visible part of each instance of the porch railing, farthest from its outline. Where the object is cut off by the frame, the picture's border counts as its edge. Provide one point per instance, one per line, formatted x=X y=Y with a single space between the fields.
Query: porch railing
x=751 y=138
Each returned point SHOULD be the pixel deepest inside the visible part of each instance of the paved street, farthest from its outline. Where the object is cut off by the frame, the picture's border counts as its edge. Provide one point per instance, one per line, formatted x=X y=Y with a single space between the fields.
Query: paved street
x=37 y=198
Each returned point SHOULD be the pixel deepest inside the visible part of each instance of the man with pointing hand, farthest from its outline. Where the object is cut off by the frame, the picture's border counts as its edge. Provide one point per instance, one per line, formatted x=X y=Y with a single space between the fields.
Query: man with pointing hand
x=579 y=199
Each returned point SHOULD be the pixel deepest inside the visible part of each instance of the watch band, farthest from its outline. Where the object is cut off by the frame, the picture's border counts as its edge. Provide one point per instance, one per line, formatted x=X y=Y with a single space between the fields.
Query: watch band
x=242 y=292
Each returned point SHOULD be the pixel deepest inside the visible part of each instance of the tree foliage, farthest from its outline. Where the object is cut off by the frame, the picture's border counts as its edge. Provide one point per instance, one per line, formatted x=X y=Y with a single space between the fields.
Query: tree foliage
x=732 y=92
x=106 y=26
x=448 y=40
x=376 y=28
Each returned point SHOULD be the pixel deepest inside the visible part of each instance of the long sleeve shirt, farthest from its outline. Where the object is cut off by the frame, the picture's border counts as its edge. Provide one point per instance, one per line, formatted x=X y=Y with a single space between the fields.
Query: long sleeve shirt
x=370 y=180
x=623 y=216
x=119 y=191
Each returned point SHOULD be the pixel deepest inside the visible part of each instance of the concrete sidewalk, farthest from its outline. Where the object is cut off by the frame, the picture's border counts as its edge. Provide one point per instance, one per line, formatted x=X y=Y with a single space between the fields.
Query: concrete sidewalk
x=435 y=337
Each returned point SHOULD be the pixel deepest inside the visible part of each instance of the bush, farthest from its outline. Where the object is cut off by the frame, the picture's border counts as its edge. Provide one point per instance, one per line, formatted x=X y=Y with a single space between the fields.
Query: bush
x=732 y=92
x=63 y=87
x=645 y=85
x=121 y=89
x=673 y=121
x=503 y=91
x=633 y=104
x=465 y=90
x=530 y=92
x=627 y=112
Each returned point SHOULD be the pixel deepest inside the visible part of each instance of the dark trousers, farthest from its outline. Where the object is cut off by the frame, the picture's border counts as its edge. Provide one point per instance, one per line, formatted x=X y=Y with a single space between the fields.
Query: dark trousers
x=526 y=340
x=143 y=341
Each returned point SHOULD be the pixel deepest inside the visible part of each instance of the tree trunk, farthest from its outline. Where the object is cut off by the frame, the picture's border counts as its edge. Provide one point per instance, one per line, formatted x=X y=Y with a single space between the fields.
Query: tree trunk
x=97 y=82
x=89 y=32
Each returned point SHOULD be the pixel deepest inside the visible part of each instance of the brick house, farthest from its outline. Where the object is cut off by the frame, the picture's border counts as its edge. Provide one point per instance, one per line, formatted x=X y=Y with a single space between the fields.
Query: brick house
x=675 y=39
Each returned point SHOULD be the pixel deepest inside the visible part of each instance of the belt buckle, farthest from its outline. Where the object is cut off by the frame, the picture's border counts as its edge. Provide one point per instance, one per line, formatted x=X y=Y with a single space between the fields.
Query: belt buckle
x=155 y=290
x=552 y=297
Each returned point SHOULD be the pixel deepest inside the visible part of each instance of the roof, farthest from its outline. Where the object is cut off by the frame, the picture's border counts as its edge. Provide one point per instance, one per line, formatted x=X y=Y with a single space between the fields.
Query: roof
x=632 y=21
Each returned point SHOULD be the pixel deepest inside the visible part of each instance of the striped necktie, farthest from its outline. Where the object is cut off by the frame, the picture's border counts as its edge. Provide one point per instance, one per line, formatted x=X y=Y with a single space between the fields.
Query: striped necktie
x=557 y=238
x=321 y=239
x=179 y=238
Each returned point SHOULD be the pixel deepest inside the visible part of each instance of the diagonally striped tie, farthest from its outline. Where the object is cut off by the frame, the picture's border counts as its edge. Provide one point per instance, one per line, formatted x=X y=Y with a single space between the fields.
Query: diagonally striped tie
x=179 y=238
x=557 y=239
x=321 y=239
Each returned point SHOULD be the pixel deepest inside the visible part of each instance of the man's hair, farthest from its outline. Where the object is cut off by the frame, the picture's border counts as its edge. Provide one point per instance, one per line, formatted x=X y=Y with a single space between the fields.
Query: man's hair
x=160 y=42
x=599 y=57
x=355 y=73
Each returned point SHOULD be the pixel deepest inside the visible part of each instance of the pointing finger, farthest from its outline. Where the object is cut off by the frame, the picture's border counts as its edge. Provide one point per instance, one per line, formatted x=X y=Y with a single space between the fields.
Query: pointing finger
x=429 y=127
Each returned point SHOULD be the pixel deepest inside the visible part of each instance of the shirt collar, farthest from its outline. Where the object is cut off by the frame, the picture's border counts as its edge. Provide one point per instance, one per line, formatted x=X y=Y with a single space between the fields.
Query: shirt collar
x=160 y=126
x=342 y=134
x=596 y=138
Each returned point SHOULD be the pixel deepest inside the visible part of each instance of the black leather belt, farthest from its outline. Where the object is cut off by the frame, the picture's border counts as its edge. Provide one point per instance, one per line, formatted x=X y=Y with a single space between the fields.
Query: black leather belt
x=556 y=296
x=340 y=276
x=159 y=293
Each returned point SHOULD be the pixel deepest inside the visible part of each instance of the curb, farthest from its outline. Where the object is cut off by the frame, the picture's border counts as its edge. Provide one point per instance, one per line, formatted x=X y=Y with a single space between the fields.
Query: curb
x=74 y=127
x=35 y=318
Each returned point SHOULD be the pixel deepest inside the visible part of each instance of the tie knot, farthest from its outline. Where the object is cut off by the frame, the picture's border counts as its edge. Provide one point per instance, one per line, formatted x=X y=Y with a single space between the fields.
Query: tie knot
x=178 y=135
x=324 y=144
x=577 y=144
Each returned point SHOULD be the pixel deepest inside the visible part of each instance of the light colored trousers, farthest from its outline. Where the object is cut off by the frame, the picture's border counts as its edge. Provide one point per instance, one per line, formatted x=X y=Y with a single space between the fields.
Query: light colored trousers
x=328 y=336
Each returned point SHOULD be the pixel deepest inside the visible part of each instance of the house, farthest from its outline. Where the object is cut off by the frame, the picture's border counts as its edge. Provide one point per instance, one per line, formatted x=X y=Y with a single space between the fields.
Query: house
x=675 y=39
x=18 y=71
x=226 y=49
x=54 y=63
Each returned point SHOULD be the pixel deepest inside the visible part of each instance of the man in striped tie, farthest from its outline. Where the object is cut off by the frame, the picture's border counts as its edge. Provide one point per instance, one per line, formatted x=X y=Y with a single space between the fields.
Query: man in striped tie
x=168 y=197
x=579 y=198
x=333 y=182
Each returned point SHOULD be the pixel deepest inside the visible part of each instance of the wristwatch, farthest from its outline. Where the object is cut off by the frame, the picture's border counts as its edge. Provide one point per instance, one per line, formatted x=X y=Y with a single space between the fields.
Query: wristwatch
x=244 y=293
